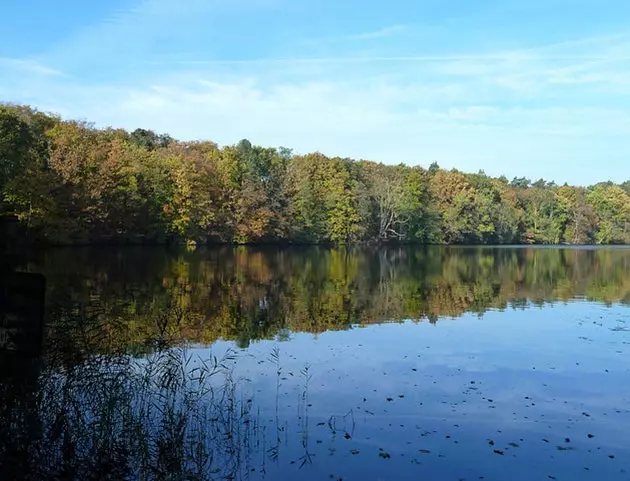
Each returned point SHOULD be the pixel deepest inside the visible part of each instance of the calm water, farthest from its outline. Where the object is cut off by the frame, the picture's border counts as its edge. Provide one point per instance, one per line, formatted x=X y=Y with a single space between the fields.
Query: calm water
x=367 y=364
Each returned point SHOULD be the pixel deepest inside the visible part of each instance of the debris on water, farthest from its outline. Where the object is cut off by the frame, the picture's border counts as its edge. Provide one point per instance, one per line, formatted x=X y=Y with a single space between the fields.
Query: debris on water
x=425 y=451
x=354 y=451
x=590 y=436
x=498 y=451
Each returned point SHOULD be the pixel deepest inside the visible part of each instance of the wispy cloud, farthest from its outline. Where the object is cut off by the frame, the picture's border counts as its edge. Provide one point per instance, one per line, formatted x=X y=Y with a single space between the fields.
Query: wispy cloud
x=585 y=60
x=27 y=65
x=485 y=59
x=381 y=33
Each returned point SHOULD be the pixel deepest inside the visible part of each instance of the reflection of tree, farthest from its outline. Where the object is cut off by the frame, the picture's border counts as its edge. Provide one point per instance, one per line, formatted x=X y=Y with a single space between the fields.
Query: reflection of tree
x=110 y=396
x=121 y=298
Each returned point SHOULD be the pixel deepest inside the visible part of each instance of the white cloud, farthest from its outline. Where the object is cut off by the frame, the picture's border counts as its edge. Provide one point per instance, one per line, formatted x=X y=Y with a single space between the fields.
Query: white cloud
x=361 y=122
x=515 y=112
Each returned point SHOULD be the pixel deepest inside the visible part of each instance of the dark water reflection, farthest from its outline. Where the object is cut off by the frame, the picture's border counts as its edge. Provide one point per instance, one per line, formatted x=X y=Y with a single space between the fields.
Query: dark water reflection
x=249 y=294
x=503 y=363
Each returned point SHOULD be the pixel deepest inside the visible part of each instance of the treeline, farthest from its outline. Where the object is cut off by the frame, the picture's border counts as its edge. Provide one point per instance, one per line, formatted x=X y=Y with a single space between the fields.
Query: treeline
x=130 y=299
x=69 y=183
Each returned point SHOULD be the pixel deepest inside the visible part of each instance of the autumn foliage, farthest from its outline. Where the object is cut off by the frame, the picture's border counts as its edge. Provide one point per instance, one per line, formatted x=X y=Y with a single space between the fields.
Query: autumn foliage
x=70 y=183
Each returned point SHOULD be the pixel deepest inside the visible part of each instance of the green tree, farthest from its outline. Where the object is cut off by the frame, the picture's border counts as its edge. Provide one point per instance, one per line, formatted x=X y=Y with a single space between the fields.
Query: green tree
x=388 y=186
x=149 y=140
x=454 y=198
x=323 y=199
x=422 y=219
x=543 y=219
x=581 y=220
x=341 y=202
x=520 y=182
x=16 y=142
x=612 y=205
x=195 y=204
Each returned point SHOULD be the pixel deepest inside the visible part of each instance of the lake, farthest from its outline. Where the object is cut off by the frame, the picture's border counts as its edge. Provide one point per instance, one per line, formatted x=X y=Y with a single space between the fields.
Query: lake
x=405 y=363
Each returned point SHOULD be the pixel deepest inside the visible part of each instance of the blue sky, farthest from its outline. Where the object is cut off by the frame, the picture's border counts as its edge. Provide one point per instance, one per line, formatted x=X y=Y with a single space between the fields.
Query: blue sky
x=539 y=88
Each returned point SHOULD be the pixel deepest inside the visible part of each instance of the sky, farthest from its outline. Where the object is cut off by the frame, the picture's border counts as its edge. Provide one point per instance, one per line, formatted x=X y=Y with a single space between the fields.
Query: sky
x=534 y=88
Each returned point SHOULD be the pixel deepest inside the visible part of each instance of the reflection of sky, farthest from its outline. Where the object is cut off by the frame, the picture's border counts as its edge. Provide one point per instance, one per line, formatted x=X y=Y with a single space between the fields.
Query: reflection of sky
x=533 y=378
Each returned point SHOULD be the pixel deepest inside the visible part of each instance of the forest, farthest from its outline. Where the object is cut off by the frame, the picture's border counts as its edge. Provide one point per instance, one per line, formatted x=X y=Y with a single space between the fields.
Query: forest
x=69 y=183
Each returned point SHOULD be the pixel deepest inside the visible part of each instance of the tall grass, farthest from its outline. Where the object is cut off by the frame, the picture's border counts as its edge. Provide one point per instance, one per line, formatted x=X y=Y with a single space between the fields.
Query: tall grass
x=167 y=416
x=91 y=410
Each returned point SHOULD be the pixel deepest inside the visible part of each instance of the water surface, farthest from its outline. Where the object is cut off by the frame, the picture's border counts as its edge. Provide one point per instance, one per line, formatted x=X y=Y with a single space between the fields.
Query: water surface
x=385 y=364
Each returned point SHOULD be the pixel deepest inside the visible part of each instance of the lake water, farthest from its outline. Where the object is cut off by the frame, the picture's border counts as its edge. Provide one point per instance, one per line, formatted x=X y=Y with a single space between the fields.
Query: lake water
x=434 y=363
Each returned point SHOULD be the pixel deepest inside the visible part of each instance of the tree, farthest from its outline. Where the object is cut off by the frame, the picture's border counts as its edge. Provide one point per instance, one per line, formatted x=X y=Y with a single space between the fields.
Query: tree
x=16 y=141
x=389 y=194
x=612 y=205
x=581 y=220
x=341 y=203
x=149 y=140
x=255 y=177
x=323 y=199
x=422 y=220
x=543 y=219
x=520 y=182
x=194 y=207
x=454 y=198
